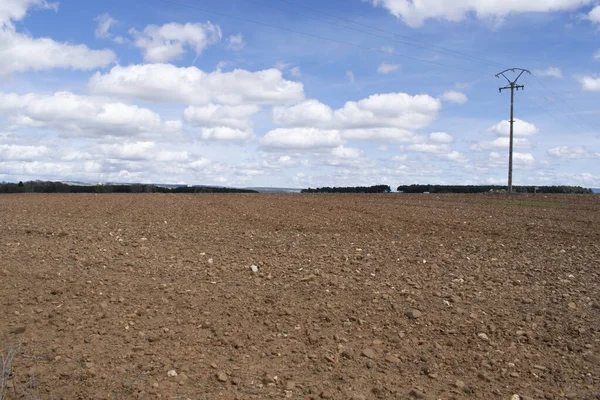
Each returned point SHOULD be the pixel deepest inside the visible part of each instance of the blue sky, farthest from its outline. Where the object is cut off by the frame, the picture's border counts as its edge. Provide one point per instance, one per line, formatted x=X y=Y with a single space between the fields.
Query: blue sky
x=298 y=93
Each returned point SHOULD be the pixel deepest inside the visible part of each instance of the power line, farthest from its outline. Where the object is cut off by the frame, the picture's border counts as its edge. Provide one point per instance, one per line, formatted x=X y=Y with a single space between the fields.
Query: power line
x=422 y=45
x=585 y=125
x=372 y=49
x=445 y=49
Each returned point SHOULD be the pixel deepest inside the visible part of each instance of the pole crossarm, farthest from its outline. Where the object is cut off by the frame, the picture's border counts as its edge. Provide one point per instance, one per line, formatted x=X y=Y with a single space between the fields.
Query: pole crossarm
x=512 y=85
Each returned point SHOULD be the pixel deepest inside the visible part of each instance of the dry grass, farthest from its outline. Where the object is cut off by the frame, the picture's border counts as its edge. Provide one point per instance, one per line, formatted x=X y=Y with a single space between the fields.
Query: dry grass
x=8 y=352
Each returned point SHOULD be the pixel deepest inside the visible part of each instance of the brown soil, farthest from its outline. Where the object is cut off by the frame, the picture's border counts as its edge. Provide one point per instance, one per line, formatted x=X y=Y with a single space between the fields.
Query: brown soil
x=356 y=296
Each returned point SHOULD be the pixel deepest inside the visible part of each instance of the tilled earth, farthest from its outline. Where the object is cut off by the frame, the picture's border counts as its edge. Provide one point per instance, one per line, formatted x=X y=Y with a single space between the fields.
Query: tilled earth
x=355 y=297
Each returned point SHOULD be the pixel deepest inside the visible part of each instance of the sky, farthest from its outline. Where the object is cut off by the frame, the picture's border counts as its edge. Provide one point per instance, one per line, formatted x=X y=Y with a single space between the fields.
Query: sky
x=299 y=93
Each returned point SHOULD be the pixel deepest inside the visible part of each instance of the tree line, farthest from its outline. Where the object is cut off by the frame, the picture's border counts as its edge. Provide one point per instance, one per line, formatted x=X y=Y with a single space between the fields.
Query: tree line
x=355 y=189
x=60 y=187
x=452 y=189
x=493 y=189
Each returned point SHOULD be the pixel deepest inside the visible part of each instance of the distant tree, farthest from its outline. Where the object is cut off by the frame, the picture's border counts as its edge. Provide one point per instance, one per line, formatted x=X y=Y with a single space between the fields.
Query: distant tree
x=350 y=189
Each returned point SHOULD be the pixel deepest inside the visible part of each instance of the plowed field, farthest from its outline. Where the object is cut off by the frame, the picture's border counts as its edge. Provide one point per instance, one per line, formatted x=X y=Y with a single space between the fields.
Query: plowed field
x=354 y=296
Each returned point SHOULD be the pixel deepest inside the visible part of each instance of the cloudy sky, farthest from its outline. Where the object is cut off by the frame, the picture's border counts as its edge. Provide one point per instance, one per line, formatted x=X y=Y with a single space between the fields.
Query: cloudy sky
x=298 y=93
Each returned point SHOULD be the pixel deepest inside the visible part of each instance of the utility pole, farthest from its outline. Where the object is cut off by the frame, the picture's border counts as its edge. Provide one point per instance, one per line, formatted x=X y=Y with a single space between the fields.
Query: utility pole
x=512 y=85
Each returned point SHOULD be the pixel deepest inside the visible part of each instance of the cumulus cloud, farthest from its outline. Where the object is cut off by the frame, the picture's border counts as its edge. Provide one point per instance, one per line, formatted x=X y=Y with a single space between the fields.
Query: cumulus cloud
x=216 y=115
x=172 y=40
x=455 y=156
x=453 y=96
x=84 y=116
x=346 y=152
x=414 y=13
x=398 y=110
x=169 y=83
x=350 y=76
x=435 y=148
x=20 y=52
x=550 y=72
x=387 y=117
x=385 y=68
x=498 y=160
x=441 y=137
x=520 y=128
x=347 y=157
x=308 y=113
x=301 y=139
x=393 y=135
x=236 y=42
x=594 y=15
x=138 y=151
x=571 y=152
x=226 y=134
x=502 y=143
x=16 y=10
x=590 y=83
x=14 y=152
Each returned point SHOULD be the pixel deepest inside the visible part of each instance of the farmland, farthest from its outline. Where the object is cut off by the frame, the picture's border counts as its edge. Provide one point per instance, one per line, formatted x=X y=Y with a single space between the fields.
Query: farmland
x=353 y=296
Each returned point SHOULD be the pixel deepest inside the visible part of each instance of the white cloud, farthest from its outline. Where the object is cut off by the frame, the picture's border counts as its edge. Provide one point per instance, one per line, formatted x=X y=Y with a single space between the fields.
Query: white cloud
x=215 y=115
x=385 y=68
x=236 y=42
x=572 y=152
x=75 y=155
x=128 y=151
x=302 y=139
x=523 y=158
x=550 y=71
x=296 y=72
x=594 y=15
x=520 y=128
x=590 y=84
x=85 y=116
x=441 y=137
x=16 y=10
x=310 y=113
x=502 y=143
x=226 y=134
x=280 y=65
x=453 y=96
x=105 y=22
x=20 y=52
x=168 y=83
x=388 y=117
x=170 y=41
x=455 y=156
x=397 y=110
x=200 y=163
x=435 y=148
x=13 y=152
x=498 y=160
x=346 y=152
x=597 y=55
x=350 y=76
x=346 y=157
x=414 y=13
x=393 y=135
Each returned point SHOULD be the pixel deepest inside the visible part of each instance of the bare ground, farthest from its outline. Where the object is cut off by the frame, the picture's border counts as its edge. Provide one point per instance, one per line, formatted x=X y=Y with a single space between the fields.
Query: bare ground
x=356 y=296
